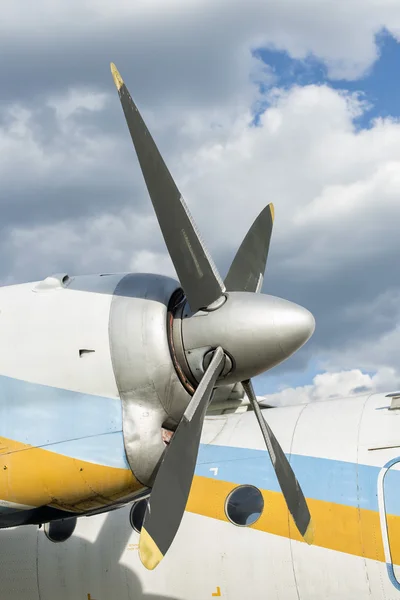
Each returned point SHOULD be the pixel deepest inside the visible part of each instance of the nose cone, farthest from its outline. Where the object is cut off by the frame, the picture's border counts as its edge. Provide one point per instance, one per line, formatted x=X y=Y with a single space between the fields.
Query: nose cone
x=293 y=324
x=256 y=331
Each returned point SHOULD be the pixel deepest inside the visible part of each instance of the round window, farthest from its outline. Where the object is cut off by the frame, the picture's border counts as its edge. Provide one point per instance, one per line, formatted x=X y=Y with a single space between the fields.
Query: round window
x=60 y=531
x=136 y=516
x=244 y=505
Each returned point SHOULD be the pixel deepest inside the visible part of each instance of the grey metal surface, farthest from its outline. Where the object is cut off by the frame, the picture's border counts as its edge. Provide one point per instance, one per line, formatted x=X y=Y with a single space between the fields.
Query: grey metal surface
x=178 y=351
x=257 y=331
x=174 y=478
x=290 y=487
x=226 y=399
x=195 y=268
x=395 y=404
x=233 y=392
x=150 y=390
x=246 y=273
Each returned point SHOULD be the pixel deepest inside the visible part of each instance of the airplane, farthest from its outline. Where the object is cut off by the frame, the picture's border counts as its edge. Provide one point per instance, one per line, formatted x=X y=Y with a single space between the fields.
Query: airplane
x=131 y=463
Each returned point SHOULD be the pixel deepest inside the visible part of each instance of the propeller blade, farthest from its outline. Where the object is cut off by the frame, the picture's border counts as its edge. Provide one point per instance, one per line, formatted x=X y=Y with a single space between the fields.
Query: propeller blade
x=196 y=271
x=247 y=269
x=290 y=487
x=173 y=481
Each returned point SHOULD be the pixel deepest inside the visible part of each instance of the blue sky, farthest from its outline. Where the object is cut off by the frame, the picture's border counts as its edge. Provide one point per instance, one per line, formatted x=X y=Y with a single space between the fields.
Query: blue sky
x=380 y=86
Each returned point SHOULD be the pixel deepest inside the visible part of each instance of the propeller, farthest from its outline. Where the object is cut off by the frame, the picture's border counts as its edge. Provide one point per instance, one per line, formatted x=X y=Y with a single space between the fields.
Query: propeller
x=194 y=266
x=231 y=331
x=290 y=487
x=174 y=478
x=246 y=273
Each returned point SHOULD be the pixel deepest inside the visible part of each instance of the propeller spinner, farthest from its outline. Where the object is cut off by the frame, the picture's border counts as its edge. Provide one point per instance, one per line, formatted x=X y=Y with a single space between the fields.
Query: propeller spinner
x=233 y=332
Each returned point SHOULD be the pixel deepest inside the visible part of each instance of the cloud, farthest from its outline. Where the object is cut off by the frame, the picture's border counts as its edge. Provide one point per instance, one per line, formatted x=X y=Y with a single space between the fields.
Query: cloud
x=192 y=52
x=77 y=101
x=333 y=385
x=336 y=192
x=59 y=163
x=381 y=349
x=194 y=38
x=106 y=243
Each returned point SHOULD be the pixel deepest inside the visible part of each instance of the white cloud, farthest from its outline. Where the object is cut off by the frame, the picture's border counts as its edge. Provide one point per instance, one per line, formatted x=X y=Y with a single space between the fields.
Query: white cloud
x=374 y=353
x=77 y=100
x=67 y=152
x=331 y=385
x=93 y=245
x=341 y=35
x=336 y=189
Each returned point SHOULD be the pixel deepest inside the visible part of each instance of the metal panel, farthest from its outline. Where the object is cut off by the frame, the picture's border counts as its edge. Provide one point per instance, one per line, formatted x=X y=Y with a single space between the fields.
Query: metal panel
x=379 y=435
x=328 y=430
x=18 y=564
x=42 y=333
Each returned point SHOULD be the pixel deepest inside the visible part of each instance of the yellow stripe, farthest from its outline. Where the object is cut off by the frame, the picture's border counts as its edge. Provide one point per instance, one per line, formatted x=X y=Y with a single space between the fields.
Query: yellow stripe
x=393 y=523
x=38 y=477
x=335 y=526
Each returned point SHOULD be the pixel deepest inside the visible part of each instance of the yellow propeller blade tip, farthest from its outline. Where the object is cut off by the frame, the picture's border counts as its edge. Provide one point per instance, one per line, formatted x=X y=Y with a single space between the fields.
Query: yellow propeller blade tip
x=309 y=534
x=119 y=82
x=272 y=209
x=149 y=552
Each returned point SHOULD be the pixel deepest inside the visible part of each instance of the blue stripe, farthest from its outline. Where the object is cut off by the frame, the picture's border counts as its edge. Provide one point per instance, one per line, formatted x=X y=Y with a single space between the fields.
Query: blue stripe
x=74 y=424
x=390 y=487
x=38 y=415
x=107 y=449
x=323 y=479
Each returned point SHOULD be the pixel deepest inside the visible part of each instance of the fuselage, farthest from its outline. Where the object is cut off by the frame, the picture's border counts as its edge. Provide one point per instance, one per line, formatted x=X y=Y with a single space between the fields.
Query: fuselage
x=345 y=454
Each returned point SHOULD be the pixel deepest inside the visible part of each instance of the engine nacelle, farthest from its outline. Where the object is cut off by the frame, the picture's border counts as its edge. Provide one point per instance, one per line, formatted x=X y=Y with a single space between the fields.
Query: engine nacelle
x=86 y=383
x=152 y=394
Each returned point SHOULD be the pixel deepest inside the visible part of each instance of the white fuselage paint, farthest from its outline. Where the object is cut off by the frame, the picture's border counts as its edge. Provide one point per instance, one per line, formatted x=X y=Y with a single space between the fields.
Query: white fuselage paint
x=42 y=331
x=211 y=557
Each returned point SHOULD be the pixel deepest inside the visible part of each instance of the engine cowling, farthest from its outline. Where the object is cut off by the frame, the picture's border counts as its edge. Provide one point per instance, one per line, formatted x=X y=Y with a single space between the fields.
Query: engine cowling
x=151 y=392
x=86 y=383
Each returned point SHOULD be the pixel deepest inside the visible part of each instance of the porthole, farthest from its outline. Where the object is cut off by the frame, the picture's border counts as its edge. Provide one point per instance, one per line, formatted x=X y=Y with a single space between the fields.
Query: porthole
x=60 y=531
x=244 y=505
x=137 y=513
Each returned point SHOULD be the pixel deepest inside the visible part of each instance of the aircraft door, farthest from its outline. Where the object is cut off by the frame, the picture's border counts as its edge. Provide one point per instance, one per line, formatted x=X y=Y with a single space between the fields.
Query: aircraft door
x=388 y=500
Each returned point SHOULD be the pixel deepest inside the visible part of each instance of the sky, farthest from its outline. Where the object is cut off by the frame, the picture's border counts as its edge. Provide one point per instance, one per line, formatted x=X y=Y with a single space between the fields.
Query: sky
x=293 y=102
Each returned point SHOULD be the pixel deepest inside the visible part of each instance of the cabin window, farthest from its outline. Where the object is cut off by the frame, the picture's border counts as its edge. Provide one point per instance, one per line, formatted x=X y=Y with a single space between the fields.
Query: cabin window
x=136 y=516
x=244 y=505
x=60 y=531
